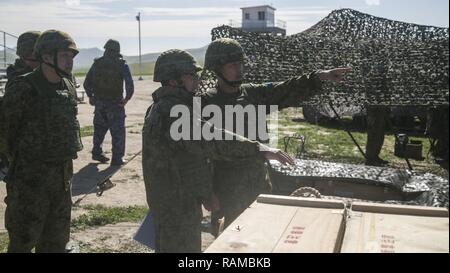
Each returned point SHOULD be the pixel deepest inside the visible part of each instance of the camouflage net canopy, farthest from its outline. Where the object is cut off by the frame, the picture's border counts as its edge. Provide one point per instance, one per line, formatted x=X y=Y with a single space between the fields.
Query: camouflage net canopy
x=416 y=188
x=394 y=63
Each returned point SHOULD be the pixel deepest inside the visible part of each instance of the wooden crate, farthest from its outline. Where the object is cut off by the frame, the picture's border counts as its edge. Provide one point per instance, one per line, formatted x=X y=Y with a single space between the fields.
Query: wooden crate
x=285 y=224
x=380 y=228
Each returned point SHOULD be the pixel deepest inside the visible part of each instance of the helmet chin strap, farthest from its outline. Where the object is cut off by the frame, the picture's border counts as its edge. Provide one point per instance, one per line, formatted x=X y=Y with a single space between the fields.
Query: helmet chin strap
x=30 y=59
x=61 y=73
x=230 y=83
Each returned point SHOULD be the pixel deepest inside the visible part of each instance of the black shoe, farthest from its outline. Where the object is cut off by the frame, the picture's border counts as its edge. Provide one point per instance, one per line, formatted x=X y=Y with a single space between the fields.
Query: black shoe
x=101 y=158
x=372 y=163
x=118 y=162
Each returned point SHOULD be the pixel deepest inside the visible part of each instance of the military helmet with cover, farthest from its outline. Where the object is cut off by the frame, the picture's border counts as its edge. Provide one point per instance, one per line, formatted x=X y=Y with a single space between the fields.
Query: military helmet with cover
x=26 y=42
x=53 y=40
x=173 y=63
x=113 y=45
x=223 y=51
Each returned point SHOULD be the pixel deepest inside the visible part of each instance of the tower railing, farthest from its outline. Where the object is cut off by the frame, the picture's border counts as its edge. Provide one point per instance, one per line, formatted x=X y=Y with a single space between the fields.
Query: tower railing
x=7 y=42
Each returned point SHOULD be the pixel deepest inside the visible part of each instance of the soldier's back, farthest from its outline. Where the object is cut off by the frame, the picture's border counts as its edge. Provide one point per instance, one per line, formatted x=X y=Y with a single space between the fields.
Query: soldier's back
x=108 y=78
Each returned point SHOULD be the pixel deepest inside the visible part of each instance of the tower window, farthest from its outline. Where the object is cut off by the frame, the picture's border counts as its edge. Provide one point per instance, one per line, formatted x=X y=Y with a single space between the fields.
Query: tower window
x=261 y=15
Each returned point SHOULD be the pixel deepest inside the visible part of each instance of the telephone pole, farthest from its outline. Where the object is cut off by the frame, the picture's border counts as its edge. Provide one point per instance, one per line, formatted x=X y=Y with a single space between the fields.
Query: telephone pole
x=138 y=18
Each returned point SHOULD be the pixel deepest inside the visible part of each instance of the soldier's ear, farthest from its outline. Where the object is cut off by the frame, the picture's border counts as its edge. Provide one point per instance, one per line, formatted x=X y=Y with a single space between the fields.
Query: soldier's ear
x=172 y=82
x=47 y=58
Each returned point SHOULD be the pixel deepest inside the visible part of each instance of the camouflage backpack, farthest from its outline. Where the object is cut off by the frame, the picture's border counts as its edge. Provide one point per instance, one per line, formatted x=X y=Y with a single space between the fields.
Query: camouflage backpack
x=108 y=78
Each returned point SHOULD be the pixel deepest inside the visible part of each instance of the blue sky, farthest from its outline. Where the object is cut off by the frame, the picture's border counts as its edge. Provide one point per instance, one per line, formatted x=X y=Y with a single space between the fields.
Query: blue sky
x=187 y=24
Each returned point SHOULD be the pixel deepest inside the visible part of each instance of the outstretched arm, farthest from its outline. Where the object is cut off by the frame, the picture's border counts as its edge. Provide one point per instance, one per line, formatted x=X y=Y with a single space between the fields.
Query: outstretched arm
x=293 y=92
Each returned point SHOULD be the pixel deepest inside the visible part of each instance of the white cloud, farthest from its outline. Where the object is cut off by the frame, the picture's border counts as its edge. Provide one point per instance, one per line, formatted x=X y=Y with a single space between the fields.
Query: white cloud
x=73 y=3
x=373 y=2
x=202 y=11
x=90 y=20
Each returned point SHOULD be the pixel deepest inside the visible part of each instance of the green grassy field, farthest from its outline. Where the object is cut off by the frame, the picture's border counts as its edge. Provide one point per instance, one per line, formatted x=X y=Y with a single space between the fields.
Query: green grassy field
x=96 y=216
x=3 y=242
x=100 y=216
x=87 y=131
x=147 y=69
x=331 y=143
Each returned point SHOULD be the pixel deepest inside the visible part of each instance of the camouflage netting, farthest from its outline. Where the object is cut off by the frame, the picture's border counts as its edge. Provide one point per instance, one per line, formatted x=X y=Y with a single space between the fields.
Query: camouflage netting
x=394 y=63
x=416 y=188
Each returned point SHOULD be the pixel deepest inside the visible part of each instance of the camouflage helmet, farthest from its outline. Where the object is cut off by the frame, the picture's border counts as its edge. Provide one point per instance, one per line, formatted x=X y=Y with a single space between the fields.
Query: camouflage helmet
x=223 y=51
x=113 y=45
x=173 y=63
x=53 y=40
x=26 y=42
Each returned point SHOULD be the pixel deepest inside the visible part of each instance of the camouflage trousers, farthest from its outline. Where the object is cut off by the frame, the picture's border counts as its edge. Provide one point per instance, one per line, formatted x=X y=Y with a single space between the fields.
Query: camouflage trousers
x=109 y=115
x=237 y=186
x=39 y=207
x=178 y=239
x=376 y=126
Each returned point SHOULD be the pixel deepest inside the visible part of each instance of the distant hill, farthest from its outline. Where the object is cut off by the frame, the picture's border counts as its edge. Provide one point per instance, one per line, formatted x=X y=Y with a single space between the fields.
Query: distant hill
x=198 y=53
x=87 y=55
x=85 y=58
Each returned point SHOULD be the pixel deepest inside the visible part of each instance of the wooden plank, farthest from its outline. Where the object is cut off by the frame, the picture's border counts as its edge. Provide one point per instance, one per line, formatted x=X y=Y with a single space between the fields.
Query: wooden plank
x=257 y=229
x=368 y=232
x=399 y=209
x=312 y=230
x=300 y=202
x=265 y=228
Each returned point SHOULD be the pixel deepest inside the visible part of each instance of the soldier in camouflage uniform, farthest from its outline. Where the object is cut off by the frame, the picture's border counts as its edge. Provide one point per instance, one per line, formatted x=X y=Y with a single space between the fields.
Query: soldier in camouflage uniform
x=177 y=175
x=27 y=61
x=437 y=131
x=376 y=127
x=104 y=87
x=43 y=137
x=238 y=183
x=24 y=64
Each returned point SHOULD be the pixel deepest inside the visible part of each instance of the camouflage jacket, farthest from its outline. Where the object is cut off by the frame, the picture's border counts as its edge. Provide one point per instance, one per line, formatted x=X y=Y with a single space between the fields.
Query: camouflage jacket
x=176 y=173
x=40 y=120
x=290 y=93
